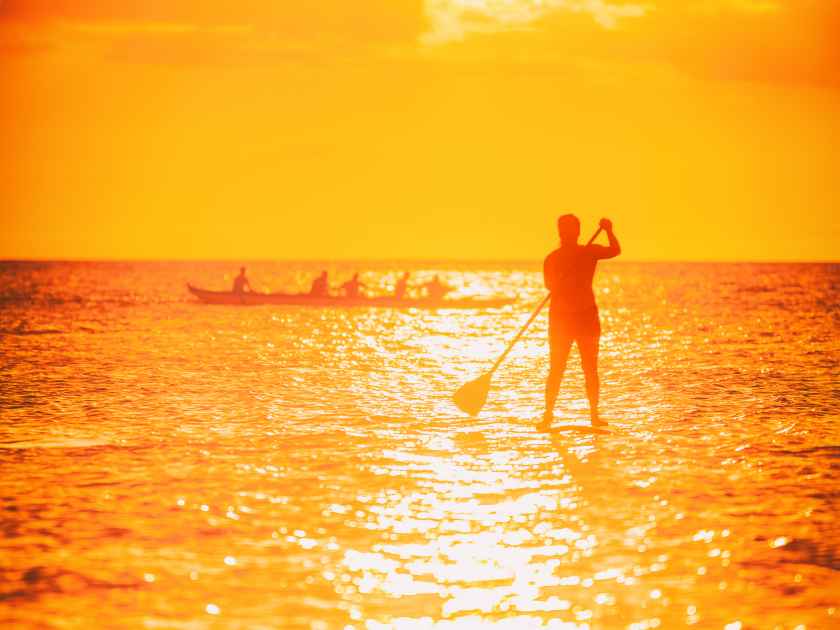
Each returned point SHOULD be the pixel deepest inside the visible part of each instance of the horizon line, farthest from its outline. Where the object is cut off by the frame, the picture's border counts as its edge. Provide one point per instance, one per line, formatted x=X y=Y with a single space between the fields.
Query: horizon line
x=769 y=261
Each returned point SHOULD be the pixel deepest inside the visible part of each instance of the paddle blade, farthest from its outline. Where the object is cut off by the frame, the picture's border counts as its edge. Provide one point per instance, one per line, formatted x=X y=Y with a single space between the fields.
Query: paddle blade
x=471 y=396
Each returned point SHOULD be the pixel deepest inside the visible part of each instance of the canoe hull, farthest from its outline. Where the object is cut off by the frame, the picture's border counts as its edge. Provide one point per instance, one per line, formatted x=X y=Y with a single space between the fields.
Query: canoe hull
x=304 y=299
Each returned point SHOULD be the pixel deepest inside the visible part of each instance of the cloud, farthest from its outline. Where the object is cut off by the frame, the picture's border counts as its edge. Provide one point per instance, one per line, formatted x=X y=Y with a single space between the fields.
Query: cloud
x=454 y=20
x=339 y=24
x=788 y=41
x=16 y=44
x=222 y=46
x=372 y=19
x=773 y=41
x=223 y=32
x=784 y=42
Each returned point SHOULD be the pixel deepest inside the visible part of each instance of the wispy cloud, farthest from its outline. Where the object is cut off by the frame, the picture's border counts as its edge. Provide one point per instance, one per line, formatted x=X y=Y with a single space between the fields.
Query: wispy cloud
x=226 y=32
x=453 y=20
x=775 y=41
x=767 y=41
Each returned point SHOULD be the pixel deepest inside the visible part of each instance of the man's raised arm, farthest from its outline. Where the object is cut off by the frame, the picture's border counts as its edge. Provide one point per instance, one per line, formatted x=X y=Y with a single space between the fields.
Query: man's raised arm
x=614 y=248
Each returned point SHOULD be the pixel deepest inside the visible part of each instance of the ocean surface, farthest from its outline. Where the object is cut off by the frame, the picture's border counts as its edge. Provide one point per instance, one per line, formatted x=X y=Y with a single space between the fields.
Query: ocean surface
x=167 y=464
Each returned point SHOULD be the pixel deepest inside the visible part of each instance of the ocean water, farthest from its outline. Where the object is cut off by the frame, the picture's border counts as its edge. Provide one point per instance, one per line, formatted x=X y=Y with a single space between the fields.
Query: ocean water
x=166 y=464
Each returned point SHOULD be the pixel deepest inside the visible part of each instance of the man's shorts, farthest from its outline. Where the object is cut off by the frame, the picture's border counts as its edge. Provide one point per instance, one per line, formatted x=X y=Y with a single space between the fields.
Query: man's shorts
x=573 y=325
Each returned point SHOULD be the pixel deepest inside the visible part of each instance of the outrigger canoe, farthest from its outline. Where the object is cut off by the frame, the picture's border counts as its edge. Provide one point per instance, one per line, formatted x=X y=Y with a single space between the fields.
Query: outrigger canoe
x=252 y=298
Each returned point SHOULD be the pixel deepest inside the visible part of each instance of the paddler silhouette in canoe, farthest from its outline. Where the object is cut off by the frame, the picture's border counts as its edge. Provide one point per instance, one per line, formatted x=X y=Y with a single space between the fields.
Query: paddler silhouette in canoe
x=240 y=282
x=401 y=288
x=353 y=287
x=320 y=286
x=436 y=289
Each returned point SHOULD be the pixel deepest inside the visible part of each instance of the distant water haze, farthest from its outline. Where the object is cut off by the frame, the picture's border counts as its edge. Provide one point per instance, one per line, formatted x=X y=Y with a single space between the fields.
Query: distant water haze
x=165 y=463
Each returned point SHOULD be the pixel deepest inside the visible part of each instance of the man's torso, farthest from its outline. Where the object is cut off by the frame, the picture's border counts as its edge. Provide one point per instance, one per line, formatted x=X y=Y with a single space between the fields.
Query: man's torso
x=569 y=273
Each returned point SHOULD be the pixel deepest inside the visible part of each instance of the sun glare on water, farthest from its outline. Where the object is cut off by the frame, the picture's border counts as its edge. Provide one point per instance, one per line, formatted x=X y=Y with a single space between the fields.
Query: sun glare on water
x=456 y=542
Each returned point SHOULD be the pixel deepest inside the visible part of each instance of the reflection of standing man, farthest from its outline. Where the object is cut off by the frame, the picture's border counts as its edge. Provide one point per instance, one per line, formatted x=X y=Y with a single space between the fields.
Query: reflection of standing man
x=573 y=314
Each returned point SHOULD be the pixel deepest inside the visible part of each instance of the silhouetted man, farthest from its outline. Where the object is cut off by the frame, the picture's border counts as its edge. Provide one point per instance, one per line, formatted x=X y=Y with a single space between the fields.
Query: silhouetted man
x=401 y=287
x=436 y=289
x=352 y=287
x=240 y=282
x=573 y=314
x=320 y=286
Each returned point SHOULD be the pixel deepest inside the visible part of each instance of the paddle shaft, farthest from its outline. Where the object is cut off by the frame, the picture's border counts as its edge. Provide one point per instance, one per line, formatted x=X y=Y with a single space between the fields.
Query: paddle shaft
x=530 y=319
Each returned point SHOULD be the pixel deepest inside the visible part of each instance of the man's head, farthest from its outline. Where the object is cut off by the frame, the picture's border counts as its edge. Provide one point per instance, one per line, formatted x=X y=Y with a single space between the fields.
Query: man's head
x=568 y=227
x=242 y=271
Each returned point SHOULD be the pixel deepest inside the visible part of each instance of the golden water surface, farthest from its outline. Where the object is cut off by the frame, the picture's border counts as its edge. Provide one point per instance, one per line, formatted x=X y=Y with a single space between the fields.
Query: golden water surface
x=165 y=464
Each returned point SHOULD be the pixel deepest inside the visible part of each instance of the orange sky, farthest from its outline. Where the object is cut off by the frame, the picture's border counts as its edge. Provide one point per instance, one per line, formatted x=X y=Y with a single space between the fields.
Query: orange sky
x=250 y=129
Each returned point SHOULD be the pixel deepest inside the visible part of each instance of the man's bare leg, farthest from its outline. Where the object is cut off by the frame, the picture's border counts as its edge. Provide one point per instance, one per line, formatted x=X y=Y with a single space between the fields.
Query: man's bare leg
x=588 y=347
x=559 y=355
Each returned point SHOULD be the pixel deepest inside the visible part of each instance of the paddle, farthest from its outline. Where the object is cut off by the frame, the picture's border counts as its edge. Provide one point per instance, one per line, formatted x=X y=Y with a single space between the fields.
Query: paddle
x=471 y=396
